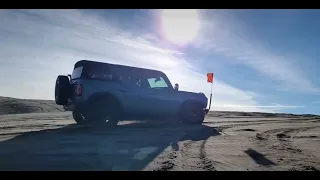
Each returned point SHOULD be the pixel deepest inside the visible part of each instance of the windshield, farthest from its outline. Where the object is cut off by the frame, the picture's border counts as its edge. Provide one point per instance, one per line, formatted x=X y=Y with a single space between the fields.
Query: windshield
x=157 y=83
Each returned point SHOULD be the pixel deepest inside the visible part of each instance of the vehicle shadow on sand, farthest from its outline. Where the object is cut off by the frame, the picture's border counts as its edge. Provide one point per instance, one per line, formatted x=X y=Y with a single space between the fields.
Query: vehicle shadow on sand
x=127 y=147
x=259 y=158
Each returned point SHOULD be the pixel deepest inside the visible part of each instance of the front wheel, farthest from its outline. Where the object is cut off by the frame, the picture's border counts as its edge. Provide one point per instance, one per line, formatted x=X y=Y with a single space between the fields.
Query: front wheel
x=79 y=118
x=192 y=114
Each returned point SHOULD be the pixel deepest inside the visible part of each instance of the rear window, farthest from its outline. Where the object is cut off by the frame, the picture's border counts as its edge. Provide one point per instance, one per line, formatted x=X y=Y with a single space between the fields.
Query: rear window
x=77 y=72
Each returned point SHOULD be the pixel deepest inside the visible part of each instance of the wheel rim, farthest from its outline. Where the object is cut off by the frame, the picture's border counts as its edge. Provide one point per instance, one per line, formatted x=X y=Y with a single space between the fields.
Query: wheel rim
x=192 y=115
x=107 y=119
x=80 y=118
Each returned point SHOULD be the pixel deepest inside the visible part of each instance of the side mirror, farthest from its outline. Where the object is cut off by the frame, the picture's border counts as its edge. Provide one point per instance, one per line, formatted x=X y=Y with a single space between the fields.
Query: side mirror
x=176 y=87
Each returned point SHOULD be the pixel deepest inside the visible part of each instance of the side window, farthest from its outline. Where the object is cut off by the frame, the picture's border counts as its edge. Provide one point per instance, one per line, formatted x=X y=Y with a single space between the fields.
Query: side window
x=103 y=73
x=133 y=81
x=157 y=83
x=77 y=72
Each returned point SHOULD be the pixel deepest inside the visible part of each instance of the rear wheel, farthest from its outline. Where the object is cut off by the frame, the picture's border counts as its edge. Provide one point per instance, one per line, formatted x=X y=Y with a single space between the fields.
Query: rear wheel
x=62 y=90
x=192 y=113
x=104 y=112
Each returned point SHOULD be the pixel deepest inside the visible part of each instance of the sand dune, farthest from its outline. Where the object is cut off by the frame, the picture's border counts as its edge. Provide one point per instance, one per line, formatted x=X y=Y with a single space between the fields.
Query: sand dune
x=19 y=106
x=39 y=135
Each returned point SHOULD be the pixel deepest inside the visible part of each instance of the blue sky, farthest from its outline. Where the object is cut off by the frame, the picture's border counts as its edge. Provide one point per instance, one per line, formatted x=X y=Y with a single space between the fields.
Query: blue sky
x=263 y=60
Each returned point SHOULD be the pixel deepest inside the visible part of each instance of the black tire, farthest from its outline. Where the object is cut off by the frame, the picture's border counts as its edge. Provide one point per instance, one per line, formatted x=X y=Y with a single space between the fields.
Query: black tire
x=62 y=90
x=104 y=112
x=191 y=113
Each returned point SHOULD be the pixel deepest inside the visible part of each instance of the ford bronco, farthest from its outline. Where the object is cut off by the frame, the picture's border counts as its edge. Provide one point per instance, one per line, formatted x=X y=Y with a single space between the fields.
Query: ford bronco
x=106 y=93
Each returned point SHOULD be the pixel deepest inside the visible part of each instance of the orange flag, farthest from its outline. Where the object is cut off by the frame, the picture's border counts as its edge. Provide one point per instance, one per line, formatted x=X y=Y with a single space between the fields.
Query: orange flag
x=210 y=77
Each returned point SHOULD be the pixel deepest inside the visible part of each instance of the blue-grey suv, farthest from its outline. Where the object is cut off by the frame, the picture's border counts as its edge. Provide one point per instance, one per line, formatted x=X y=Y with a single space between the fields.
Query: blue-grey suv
x=105 y=93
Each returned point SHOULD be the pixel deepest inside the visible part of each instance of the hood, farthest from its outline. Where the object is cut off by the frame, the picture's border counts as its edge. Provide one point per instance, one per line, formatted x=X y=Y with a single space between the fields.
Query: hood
x=201 y=97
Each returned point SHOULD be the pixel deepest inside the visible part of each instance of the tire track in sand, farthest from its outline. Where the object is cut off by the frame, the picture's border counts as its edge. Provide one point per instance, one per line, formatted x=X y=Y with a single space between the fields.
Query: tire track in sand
x=207 y=164
x=169 y=164
x=191 y=155
x=281 y=140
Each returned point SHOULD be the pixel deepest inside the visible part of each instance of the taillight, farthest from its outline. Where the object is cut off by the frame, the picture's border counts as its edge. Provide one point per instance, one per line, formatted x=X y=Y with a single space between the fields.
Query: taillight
x=79 y=90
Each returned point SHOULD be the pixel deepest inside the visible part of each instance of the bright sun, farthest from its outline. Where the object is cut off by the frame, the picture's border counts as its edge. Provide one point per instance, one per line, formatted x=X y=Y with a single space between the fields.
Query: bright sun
x=180 y=26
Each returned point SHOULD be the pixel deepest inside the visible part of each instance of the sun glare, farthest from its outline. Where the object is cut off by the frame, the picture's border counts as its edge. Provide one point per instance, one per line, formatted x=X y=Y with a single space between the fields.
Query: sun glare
x=180 y=26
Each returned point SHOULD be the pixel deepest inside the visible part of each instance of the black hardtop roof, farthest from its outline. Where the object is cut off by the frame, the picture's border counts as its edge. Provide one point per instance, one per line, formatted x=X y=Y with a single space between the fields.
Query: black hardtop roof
x=89 y=62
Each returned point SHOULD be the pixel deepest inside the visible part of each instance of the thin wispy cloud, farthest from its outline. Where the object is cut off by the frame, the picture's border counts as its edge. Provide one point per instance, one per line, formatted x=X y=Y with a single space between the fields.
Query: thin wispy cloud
x=316 y=102
x=229 y=39
x=38 y=45
x=271 y=108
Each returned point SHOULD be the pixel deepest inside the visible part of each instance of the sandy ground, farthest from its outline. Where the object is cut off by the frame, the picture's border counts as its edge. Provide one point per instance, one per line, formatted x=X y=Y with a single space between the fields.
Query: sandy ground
x=50 y=140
